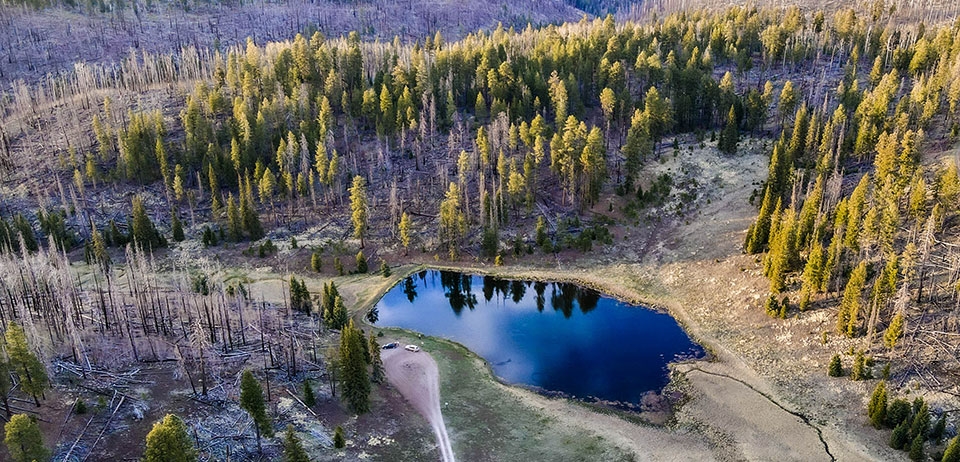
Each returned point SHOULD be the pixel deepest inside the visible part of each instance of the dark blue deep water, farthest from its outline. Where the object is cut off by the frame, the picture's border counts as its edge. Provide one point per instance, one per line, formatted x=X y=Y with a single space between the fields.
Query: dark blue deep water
x=553 y=336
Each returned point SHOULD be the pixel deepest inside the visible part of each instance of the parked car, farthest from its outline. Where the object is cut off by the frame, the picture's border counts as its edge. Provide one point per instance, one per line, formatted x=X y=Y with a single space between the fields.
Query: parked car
x=390 y=346
x=412 y=348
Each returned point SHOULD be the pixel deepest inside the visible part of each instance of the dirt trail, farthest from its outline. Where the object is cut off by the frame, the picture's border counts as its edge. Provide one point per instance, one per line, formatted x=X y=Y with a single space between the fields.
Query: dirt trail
x=416 y=377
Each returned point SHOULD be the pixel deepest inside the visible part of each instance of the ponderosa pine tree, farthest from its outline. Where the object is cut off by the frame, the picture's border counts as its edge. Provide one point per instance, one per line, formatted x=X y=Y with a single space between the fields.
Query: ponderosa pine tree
x=328 y=300
x=168 y=441
x=248 y=212
x=659 y=114
x=921 y=421
x=812 y=273
x=594 y=166
x=788 y=100
x=24 y=440
x=234 y=221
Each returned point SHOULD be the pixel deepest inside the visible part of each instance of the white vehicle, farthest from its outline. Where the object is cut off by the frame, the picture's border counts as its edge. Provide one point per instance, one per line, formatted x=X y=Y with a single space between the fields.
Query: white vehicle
x=412 y=348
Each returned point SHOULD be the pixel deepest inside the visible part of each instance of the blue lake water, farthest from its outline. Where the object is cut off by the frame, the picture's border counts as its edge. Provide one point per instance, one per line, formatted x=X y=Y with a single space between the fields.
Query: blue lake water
x=554 y=336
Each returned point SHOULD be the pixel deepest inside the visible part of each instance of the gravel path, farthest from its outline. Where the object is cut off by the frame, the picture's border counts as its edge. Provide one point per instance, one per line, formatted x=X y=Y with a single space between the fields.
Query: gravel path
x=416 y=377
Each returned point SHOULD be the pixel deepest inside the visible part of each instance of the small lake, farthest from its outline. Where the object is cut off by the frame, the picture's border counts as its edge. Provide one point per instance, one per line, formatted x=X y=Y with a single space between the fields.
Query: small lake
x=557 y=337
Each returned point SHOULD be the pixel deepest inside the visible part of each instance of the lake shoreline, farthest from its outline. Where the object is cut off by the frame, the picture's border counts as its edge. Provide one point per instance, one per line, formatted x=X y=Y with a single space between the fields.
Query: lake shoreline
x=699 y=416
x=558 y=339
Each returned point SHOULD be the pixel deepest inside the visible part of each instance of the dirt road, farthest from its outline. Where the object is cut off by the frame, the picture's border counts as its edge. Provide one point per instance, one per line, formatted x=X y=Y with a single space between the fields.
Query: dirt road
x=416 y=377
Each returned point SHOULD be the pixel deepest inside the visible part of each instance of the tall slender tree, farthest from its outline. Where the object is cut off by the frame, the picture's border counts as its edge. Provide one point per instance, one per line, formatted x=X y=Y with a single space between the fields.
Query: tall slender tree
x=354 y=377
x=358 y=208
x=26 y=364
x=252 y=401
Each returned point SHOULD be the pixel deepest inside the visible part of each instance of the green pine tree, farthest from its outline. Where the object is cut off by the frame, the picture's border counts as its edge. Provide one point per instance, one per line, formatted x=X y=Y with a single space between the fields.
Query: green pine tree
x=24 y=440
x=176 y=227
x=99 y=248
x=338 y=315
x=730 y=135
x=252 y=401
x=916 y=449
x=952 y=453
x=921 y=422
x=836 y=367
x=847 y=316
x=293 y=450
x=894 y=331
x=898 y=412
x=377 y=374
x=936 y=433
x=169 y=440
x=900 y=436
x=355 y=381
x=339 y=441
x=362 y=267
x=358 y=208
x=26 y=364
x=877 y=408
x=142 y=231
x=404 y=231
x=5 y=385
x=860 y=371
x=309 y=398
x=234 y=220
